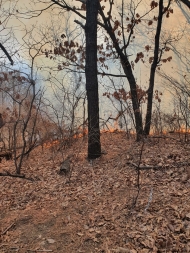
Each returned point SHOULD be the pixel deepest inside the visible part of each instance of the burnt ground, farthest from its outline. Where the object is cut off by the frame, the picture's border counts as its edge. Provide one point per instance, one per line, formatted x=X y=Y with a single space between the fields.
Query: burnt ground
x=103 y=208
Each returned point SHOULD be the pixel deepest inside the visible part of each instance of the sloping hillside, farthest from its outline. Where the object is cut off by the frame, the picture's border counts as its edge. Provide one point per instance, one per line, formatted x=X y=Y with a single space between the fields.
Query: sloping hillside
x=104 y=208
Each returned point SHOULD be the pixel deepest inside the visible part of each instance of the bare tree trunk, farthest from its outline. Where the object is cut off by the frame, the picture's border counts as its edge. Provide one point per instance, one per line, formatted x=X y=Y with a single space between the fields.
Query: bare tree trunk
x=134 y=97
x=153 y=70
x=129 y=74
x=94 y=145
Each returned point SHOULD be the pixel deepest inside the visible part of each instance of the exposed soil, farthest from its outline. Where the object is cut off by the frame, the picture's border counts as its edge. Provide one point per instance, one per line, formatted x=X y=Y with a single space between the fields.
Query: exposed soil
x=96 y=210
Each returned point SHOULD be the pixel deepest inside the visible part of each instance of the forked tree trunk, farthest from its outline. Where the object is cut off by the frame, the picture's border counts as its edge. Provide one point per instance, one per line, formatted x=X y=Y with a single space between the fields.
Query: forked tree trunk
x=94 y=145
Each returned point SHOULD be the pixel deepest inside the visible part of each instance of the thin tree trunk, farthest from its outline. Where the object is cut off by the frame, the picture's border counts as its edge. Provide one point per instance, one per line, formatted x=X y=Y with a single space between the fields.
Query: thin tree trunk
x=129 y=74
x=94 y=145
x=153 y=70
x=134 y=97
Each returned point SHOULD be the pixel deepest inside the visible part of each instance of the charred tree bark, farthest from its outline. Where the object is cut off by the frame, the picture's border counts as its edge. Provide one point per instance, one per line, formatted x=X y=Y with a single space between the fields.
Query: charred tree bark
x=94 y=145
x=153 y=70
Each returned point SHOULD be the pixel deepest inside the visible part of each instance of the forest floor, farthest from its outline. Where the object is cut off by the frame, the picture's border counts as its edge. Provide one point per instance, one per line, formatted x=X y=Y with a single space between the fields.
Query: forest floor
x=103 y=208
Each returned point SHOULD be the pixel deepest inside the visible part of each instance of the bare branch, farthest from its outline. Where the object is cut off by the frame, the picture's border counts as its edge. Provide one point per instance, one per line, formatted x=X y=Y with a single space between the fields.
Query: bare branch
x=186 y=2
x=7 y=54
x=82 y=1
x=79 y=23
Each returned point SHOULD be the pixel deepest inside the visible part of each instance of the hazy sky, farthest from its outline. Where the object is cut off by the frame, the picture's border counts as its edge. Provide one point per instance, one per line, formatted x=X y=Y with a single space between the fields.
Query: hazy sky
x=174 y=24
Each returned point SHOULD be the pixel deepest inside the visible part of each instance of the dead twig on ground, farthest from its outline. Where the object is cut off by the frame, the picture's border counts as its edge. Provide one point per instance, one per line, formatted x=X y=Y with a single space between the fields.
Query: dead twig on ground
x=157 y=167
x=9 y=227
x=163 y=137
x=40 y=250
x=149 y=167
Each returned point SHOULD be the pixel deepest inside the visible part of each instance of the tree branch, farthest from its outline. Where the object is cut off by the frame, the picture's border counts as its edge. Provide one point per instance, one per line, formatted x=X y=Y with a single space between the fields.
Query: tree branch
x=8 y=174
x=69 y=8
x=186 y=2
x=7 y=54
x=79 y=23
x=82 y=1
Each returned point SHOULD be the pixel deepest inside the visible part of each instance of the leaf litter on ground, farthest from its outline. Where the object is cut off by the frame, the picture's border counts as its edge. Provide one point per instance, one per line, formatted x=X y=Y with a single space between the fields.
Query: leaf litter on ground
x=95 y=211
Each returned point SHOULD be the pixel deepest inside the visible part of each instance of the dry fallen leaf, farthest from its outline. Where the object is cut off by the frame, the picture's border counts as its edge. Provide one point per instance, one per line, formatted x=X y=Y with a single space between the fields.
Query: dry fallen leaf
x=50 y=240
x=99 y=201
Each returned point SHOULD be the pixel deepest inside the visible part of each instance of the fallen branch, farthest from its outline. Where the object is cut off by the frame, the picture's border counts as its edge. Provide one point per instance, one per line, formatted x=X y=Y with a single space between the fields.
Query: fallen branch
x=9 y=227
x=14 y=248
x=162 y=137
x=40 y=250
x=151 y=167
x=8 y=174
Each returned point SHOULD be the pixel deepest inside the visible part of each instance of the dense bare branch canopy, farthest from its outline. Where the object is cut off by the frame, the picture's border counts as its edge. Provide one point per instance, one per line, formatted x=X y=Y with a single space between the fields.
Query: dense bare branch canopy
x=131 y=34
